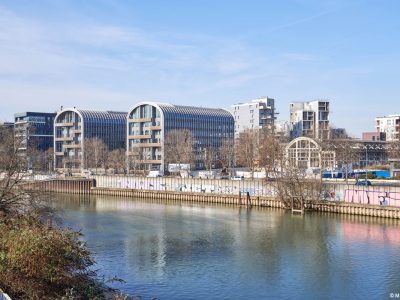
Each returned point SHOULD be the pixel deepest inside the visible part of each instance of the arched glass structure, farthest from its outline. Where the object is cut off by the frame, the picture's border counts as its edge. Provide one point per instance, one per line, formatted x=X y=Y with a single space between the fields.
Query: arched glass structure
x=73 y=126
x=150 y=122
x=304 y=153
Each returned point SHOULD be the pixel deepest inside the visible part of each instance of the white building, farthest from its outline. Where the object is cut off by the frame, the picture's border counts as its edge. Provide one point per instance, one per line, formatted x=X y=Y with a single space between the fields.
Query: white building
x=309 y=119
x=390 y=125
x=282 y=131
x=257 y=114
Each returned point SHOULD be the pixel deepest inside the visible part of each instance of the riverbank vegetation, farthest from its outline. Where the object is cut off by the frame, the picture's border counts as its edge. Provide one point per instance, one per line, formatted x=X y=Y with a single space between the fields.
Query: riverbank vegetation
x=38 y=260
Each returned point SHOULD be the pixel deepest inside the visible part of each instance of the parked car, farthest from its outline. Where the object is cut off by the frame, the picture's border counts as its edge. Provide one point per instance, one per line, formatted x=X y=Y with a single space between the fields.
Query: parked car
x=237 y=178
x=363 y=182
x=87 y=172
x=153 y=174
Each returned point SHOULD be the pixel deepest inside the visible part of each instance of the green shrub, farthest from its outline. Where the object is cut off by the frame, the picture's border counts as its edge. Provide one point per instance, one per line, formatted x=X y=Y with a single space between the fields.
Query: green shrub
x=370 y=176
x=39 y=262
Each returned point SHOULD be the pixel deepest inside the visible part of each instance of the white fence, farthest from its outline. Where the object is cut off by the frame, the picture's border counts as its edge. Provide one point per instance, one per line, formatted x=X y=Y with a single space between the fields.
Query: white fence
x=253 y=187
x=374 y=195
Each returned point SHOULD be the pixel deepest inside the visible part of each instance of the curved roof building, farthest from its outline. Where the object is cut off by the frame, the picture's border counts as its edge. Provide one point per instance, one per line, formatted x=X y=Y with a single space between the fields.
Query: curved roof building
x=149 y=124
x=73 y=126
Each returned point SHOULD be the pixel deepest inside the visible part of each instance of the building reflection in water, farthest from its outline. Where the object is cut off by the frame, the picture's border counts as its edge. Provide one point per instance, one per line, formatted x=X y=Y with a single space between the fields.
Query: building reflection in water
x=233 y=251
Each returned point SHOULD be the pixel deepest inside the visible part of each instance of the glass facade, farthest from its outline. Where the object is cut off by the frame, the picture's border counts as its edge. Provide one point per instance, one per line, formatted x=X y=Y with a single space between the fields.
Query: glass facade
x=149 y=123
x=73 y=126
x=35 y=130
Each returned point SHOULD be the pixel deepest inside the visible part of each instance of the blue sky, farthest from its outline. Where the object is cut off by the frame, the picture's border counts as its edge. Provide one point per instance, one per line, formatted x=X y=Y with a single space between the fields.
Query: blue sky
x=110 y=54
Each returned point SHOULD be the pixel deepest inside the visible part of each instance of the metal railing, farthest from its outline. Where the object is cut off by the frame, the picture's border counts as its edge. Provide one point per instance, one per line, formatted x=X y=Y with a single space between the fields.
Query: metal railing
x=373 y=195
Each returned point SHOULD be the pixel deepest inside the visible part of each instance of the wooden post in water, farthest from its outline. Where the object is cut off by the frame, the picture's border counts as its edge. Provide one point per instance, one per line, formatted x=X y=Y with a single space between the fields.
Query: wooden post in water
x=248 y=200
x=295 y=200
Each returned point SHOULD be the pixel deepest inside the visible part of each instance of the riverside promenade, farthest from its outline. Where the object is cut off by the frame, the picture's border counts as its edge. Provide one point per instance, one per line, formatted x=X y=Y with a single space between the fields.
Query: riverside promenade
x=375 y=200
x=381 y=195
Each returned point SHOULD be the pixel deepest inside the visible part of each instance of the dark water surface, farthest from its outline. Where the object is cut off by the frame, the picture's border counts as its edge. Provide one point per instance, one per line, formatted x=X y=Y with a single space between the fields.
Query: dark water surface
x=185 y=251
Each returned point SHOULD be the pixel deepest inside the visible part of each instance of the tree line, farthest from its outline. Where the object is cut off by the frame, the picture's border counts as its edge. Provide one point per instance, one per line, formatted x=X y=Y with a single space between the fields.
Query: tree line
x=252 y=149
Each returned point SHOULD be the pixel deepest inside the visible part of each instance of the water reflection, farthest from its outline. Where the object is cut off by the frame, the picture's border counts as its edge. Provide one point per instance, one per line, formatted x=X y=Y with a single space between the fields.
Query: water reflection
x=190 y=251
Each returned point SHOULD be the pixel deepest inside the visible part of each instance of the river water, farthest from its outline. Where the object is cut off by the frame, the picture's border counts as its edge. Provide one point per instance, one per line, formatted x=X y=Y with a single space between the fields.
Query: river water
x=193 y=251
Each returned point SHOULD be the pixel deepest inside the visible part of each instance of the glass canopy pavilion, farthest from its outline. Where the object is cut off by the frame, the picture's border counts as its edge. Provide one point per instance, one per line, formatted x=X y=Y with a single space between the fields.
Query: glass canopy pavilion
x=73 y=126
x=149 y=123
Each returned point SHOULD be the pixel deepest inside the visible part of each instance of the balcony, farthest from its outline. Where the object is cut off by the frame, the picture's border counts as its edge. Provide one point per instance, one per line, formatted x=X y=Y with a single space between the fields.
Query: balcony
x=65 y=124
x=140 y=120
x=155 y=127
x=76 y=130
x=148 y=161
x=73 y=160
x=59 y=153
x=147 y=145
x=72 y=146
x=64 y=139
x=140 y=136
x=73 y=170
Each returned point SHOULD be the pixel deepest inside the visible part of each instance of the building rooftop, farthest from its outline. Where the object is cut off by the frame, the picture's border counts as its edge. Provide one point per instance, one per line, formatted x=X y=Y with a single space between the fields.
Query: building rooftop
x=390 y=116
x=257 y=100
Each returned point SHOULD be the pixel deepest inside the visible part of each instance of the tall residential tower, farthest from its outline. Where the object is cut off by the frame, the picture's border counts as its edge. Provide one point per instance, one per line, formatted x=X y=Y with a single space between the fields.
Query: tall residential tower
x=309 y=119
x=390 y=125
x=256 y=114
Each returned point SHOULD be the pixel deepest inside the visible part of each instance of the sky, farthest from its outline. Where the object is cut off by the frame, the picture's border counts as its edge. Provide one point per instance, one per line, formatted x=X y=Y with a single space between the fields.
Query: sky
x=111 y=54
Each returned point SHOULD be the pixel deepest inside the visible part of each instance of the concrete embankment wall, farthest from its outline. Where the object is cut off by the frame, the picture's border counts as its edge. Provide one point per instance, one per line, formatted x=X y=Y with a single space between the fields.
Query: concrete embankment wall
x=321 y=206
x=339 y=198
x=356 y=209
x=72 y=186
x=190 y=197
x=374 y=195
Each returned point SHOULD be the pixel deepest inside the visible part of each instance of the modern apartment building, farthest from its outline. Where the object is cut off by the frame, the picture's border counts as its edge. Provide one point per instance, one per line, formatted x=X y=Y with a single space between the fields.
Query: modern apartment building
x=373 y=136
x=282 y=131
x=35 y=130
x=256 y=114
x=310 y=119
x=9 y=125
x=149 y=124
x=390 y=125
x=72 y=127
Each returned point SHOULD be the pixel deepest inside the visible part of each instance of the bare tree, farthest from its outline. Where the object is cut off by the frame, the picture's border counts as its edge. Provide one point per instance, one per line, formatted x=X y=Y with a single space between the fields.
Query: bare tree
x=49 y=159
x=227 y=155
x=291 y=182
x=96 y=153
x=247 y=149
x=270 y=153
x=135 y=158
x=31 y=250
x=34 y=158
x=209 y=157
x=178 y=147
x=117 y=160
x=394 y=149
x=39 y=160
x=14 y=198
x=294 y=184
x=347 y=153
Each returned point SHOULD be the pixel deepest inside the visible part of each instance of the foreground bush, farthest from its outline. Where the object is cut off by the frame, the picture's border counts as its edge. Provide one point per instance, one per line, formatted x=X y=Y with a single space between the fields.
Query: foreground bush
x=40 y=262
